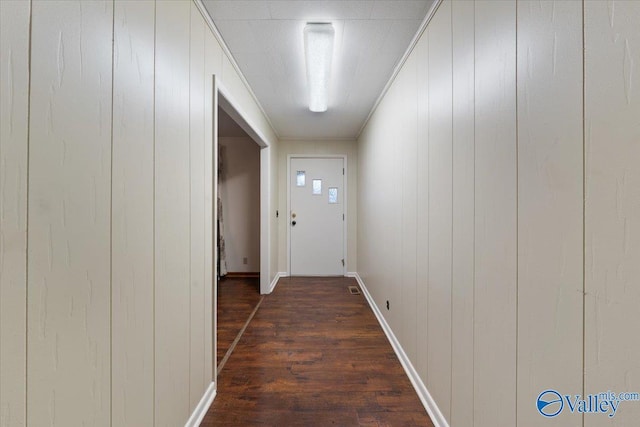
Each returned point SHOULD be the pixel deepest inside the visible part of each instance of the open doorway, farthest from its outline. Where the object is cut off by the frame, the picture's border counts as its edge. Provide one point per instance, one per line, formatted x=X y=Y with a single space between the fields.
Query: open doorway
x=239 y=200
x=238 y=230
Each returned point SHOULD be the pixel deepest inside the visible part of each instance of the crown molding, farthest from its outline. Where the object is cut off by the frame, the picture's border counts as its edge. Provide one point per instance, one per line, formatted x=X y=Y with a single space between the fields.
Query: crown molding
x=396 y=70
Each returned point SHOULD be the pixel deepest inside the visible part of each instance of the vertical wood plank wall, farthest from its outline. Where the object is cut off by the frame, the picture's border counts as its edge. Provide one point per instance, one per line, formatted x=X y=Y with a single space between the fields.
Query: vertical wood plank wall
x=550 y=195
x=495 y=247
x=106 y=176
x=172 y=233
x=526 y=197
x=14 y=110
x=408 y=178
x=422 y=205
x=439 y=80
x=612 y=203
x=69 y=218
x=463 y=233
x=132 y=213
x=197 y=162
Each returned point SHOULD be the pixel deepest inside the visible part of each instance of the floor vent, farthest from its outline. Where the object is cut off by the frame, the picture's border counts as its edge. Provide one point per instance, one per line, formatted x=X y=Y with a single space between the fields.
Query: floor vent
x=353 y=290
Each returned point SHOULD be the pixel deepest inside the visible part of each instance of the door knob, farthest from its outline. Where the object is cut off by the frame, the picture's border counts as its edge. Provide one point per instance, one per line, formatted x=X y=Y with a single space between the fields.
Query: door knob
x=293 y=223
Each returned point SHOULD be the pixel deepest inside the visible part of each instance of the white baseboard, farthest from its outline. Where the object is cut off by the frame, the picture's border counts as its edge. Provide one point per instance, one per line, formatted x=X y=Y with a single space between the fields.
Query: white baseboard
x=274 y=282
x=203 y=406
x=352 y=274
x=424 y=395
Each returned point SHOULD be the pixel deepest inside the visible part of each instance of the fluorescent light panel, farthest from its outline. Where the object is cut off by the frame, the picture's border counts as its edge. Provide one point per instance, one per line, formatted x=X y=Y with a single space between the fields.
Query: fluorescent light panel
x=318 y=47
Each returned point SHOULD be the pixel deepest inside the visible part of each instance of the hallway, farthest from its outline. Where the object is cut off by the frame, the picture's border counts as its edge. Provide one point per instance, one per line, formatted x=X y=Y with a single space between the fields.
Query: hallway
x=314 y=355
x=489 y=211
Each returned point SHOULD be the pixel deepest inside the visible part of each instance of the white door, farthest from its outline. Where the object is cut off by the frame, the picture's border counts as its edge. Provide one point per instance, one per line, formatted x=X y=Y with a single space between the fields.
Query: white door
x=316 y=217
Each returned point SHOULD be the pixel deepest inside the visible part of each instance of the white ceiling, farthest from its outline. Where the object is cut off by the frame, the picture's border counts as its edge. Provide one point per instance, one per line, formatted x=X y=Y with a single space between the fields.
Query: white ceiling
x=265 y=39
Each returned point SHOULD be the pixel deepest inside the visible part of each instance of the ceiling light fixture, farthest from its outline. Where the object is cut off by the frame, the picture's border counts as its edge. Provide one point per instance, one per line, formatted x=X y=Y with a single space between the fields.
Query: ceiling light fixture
x=318 y=46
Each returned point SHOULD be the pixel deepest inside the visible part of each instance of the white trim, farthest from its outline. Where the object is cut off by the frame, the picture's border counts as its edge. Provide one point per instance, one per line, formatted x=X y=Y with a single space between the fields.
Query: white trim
x=275 y=280
x=233 y=109
x=230 y=106
x=396 y=70
x=424 y=395
x=205 y=14
x=214 y=228
x=305 y=139
x=203 y=406
x=265 y=226
x=345 y=230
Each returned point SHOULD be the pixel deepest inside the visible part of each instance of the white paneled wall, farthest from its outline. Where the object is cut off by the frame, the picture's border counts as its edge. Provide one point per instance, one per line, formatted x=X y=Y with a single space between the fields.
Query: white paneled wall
x=132 y=210
x=526 y=242
x=421 y=52
x=438 y=374
x=550 y=195
x=495 y=214
x=612 y=203
x=463 y=224
x=197 y=166
x=14 y=109
x=172 y=194
x=69 y=218
x=407 y=181
x=107 y=157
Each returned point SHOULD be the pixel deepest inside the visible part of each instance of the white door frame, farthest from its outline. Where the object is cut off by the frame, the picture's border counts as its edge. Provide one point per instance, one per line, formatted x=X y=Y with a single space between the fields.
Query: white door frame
x=345 y=194
x=233 y=109
x=214 y=229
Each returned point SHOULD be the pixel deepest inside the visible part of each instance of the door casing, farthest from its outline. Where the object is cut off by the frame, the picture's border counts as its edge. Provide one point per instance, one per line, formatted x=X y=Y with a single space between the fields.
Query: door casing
x=345 y=198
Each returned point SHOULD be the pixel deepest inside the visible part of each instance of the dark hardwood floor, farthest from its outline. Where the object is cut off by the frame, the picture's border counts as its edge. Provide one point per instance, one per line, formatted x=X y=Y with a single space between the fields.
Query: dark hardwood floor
x=314 y=355
x=237 y=297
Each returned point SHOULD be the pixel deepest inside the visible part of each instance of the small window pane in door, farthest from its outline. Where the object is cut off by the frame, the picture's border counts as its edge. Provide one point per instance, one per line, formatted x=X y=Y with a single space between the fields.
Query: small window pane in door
x=317 y=187
x=333 y=195
x=300 y=179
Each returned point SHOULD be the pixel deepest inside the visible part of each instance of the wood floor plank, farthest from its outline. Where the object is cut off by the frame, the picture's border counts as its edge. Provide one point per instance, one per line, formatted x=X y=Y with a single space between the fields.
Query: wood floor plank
x=314 y=355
